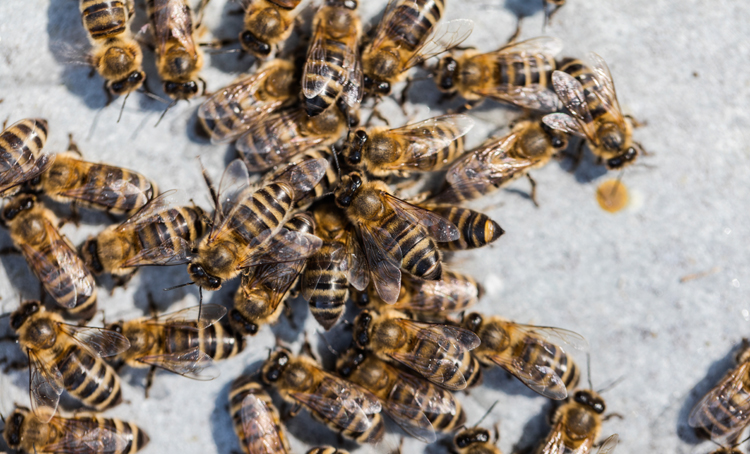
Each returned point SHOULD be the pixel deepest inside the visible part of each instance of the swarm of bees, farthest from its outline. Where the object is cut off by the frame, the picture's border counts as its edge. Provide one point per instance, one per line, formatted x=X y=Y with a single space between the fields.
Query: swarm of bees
x=326 y=218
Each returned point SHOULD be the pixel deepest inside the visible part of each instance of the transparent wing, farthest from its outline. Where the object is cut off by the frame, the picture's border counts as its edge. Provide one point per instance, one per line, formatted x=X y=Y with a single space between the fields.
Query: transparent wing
x=19 y=174
x=303 y=176
x=564 y=122
x=99 y=341
x=317 y=63
x=571 y=93
x=109 y=195
x=175 y=251
x=444 y=36
x=609 y=445
x=82 y=438
x=540 y=378
x=555 y=443
x=286 y=246
x=383 y=261
x=353 y=89
x=233 y=188
x=543 y=45
x=440 y=295
x=152 y=210
x=197 y=317
x=536 y=97
x=192 y=363
x=557 y=336
x=334 y=256
x=430 y=136
x=258 y=422
x=605 y=89
x=173 y=19
x=710 y=412
x=414 y=422
x=71 y=54
x=356 y=262
x=438 y=227
x=392 y=24
x=45 y=387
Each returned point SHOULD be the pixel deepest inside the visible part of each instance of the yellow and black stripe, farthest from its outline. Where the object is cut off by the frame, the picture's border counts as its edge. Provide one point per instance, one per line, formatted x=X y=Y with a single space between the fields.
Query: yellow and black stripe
x=242 y=387
x=263 y=211
x=188 y=223
x=88 y=378
x=217 y=341
x=20 y=147
x=412 y=22
x=581 y=72
x=534 y=71
x=328 y=282
x=106 y=19
x=136 y=438
x=419 y=251
x=475 y=229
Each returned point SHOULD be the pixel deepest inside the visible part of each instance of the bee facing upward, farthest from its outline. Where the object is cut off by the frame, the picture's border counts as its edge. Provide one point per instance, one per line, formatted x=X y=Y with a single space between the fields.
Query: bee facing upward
x=589 y=94
x=475 y=440
x=518 y=73
x=178 y=58
x=116 y=55
x=394 y=234
x=333 y=70
x=268 y=23
x=439 y=353
x=256 y=421
x=80 y=434
x=50 y=255
x=343 y=406
x=429 y=145
x=63 y=356
x=406 y=36
x=20 y=152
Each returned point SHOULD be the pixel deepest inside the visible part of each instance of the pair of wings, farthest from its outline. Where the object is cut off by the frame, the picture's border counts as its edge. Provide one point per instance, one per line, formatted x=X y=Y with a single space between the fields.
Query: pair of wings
x=572 y=94
x=452 y=342
x=346 y=57
x=381 y=249
x=235 y=188
x=258 y=421
x=81 y=437
x=60 y=269
x=539 y=375
x=172 y=19
x=192 y=363
x=427 y=138
x=46 y=381
x=442 y=295
x=396 y=26
x=239 y=102
x=711 y=412
x=341 y=403
x=556 y=444
x=535 y=96
x=15 y=171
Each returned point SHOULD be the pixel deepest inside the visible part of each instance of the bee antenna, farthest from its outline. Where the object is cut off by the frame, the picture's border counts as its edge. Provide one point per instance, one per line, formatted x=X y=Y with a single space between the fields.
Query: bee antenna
x=611 y=385
x=328 y=344
x=122 y=108
x=179 y=286
x=588 y=367
x=336 y=160
x=616 y=186
x=487 y=413
x=171 y=104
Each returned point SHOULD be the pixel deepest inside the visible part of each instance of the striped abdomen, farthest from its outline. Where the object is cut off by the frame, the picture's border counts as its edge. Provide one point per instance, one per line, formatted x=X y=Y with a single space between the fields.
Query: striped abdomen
x=327 y=283
x=373 y=433
x=411 y=21
x=105 y=19
x=188 y=223
x=533 y=71
x=20 y=147
x=538 y=356
x=217 y=341
x=261 y=212
x=329 y=74
x=419 y=251
x=449 y=374
x=445 y=156
x=475 y=229
x=269 y=436
x=73 y=429
x=454 y=292
x=326 y=184
x=271 y=142
x=583 y=74
x=88 y=378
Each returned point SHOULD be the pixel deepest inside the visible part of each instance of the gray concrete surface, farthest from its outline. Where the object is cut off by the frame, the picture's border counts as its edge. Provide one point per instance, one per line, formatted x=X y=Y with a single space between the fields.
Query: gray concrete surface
x=680 y=66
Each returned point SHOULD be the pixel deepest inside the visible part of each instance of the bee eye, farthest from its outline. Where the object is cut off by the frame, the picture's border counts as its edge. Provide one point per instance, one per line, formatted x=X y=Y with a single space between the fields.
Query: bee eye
x=367 y=82
x=384 y=88
x=135 y=77
x=117 y=87
x=170 y=87
x=191 y=87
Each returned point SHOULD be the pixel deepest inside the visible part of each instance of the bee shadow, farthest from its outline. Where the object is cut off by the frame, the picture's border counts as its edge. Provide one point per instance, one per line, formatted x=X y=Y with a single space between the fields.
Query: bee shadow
x=154 y=285
x=535 y=429
x=232 y=19
x=714 y=374
x=287 y=330
x=19 y=274
x=524 y=8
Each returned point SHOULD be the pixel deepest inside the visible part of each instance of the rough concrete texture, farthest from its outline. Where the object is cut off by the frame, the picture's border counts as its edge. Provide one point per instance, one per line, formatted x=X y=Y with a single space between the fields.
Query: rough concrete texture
x=616 y=279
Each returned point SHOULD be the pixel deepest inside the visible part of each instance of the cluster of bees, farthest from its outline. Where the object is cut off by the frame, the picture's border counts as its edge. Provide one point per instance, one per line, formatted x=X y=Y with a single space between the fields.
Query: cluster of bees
x=325 y=217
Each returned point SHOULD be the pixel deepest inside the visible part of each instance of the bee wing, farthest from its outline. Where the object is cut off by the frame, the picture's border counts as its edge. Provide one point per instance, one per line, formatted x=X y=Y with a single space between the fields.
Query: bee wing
x=557 y=336
x=444 y=36
x=71 y=54
x=109 y=195
x=564 y=122
x=352 y=90
x=101 y=342
x=81 y=438
x=430 y=136
x=45 y=387
x=175 y=251
x=710 y=414
x=441 y=229
x=350 y=409
x=544 y=45
x=383 y=257
x=541 y=379
x=285 y=246
x=258 y=422
x=173 y=19
x=555 y=443
x=317 y=64
x=192 y=363
x=151 y=210
x=414 y=422
x=356 y=263
x=536 y=97
x=609 y=445
x=436 y=295
x=334 y=257
x=605 y=88
x=12 y=176
x=303 y=176
x=391 y=24
x=234 y=186
x=570 y=91
x=197 y=317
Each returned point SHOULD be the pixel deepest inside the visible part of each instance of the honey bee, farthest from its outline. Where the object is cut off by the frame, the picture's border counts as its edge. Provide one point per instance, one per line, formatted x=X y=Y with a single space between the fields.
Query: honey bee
x=439 y=353
x=577 y=424
x=518 y=73
x=63 y=356
x=333 y=70
x=454 y=292
x=264 y=287
x=343 y=406
x=116 y=55
x=476 y=440
x=80 y=434
x=185 y=342
x=416 y=405
x=178 y=58
x=158 y=234
x=50 y=255
x=327 y=450
x=724 y=412
x=256 y=421
x=102 y=186
x=476 y=229
x=268 y=23
x=533 y=354
x=280 y=136
x=419 y=147
x=589 y=94
x=245 y=221
x=326 y=184
x=231 y=111
x=20 y=152
x=394 y=234
x=406 y=36
x=497 y=162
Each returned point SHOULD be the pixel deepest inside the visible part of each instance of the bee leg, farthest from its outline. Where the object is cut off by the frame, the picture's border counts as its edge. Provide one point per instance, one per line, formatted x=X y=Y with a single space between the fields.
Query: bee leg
x=636 y=123
x=199 y=13
x=10 y=251
x=576 y=157
x=73 y=146
x=497 y=431
x=533 y=190
x=447 y=97
x=109 y=95
x=376 y=113
x=92 y=72
x=516 y=33
x=150 y=379
x=289 y=315
x=404 y=94
x=468 y=106
x=236 y=12
x=122 y=281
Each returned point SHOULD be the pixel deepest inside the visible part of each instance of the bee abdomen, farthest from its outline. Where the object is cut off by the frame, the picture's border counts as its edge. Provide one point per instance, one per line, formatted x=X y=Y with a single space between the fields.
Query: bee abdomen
x=471 y=370
x=89 y=379
x=21 y=143
x=135 y=437
x=476 y=229
x=373 y=434
x=420 y=255
x=331 y=286
x=583 y=74
x=104 y=18
x=415 y=21
x=242 y=387
x=263 y=211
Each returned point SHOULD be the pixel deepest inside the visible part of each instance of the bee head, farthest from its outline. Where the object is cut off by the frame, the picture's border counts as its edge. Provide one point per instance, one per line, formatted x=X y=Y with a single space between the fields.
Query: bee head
x=132 y=82
x=116 y=327
x=612 y=137
x=558 y=139
x=590 y=399
x=199 y=275
x=181 y=90
x=20 y=315
x=90 y=254
x=14 y=427
x=348 y=4
x=446 y=73
x=21 y=203
x=468 y=437
x=275 y=365
x=253 y=45
x=241 y=324
x=622 y=160
x=379 y=87
x=361 y=330
x=347 y=189
x=473 y=321
x=351 y=360
x=356 y=142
